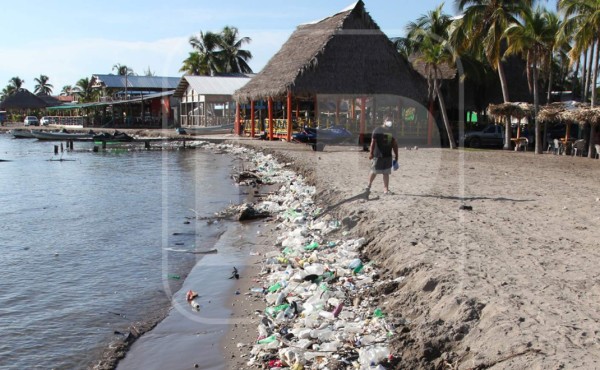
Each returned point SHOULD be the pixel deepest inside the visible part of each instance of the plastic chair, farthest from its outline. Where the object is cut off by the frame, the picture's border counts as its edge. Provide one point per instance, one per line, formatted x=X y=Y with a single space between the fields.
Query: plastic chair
x=597 y=146
x=557 y=146
x=578 y=147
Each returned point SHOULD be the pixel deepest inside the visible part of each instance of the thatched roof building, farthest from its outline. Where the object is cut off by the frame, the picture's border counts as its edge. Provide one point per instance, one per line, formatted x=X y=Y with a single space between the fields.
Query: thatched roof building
x=344 y=54
x=510 y=109
x=22 y=100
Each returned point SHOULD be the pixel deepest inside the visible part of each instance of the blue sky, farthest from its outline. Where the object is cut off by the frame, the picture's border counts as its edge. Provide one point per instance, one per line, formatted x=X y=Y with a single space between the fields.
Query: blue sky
x=67 y=40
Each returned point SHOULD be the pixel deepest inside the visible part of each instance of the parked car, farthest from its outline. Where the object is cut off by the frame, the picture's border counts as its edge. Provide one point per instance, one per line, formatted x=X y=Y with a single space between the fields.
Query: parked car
x=489 y=136
x=45 y=121
x=31 y=121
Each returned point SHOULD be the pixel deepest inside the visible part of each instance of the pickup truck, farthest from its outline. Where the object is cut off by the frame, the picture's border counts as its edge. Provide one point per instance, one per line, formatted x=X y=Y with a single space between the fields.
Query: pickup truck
x=492 y=135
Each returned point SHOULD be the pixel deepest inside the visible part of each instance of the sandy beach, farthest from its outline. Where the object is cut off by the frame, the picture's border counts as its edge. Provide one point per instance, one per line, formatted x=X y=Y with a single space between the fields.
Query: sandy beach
x=498 y=251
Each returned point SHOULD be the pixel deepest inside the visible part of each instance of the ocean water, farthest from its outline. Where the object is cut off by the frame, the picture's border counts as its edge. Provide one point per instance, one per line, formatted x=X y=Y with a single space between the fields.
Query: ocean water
x=84 y=243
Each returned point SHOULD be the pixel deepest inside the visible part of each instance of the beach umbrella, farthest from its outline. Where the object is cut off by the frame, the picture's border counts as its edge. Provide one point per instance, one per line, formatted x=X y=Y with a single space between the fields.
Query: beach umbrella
x=587 y=115
x=511 y=109
x=562 y=112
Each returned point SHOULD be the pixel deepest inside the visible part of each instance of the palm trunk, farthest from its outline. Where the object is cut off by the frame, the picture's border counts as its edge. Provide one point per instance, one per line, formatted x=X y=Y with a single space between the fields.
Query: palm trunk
x=536 y=107
x=584 y=76
x=595 y=74
x=588 y=80
x=503 y=82
x=592 y=136
x=444 y=114
x=575 y=77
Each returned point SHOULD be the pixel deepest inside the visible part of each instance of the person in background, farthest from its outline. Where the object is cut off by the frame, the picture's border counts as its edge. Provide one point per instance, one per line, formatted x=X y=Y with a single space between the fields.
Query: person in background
x=383 y=144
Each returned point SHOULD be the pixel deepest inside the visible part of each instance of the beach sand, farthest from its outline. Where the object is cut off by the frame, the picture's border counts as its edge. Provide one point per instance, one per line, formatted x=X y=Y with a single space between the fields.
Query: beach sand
x=498 y=250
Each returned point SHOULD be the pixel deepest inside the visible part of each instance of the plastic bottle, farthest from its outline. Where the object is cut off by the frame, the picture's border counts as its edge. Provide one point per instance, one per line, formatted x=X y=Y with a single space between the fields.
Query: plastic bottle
x=257 y=290
x=338 y=309
x=268 y=339
x=312 y=246
x=280 y=298
x=195 y=305
x=273 y=310
x=174 y=276
x=275 y=287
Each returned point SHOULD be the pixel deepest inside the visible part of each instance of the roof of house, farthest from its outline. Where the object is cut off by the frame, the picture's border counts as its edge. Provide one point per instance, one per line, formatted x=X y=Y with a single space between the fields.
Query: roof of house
x=22 y=99
x=212 y=85
x=345 y=53
x=135 y=82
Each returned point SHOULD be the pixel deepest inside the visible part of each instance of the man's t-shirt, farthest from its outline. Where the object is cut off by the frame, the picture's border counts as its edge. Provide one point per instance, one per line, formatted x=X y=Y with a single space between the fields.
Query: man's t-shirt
x=383 y=143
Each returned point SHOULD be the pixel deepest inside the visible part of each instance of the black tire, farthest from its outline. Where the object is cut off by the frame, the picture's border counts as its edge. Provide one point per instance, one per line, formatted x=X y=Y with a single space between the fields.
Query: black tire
x=475 y=142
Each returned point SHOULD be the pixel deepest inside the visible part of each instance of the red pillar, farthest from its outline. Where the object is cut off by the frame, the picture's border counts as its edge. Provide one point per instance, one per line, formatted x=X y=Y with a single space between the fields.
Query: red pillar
x=270 y=118
x=288 y=136
x=430 y=123
x=237 y=119
x=252 y=118
x=363 y=119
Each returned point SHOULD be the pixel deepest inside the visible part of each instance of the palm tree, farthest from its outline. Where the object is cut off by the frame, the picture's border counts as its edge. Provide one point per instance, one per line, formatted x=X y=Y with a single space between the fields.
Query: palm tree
x=428 y=37
x=122 y=69
x=148 y=72
x=15 y=84
x=534 y=39
x=194 y=65
x=66 y=90
x=433 y=55
x=583 y=16
x=232 y=58
x=87 y=94
x=205 y=44
x=483 y=24
x=42 y=86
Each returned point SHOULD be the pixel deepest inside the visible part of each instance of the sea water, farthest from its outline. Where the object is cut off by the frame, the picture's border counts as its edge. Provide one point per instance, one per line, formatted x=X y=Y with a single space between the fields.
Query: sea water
x=84 y=242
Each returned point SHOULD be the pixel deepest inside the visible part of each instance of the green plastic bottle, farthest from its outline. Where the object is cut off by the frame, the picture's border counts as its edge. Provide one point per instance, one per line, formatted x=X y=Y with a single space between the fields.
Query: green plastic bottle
x=378 y=313
x=268 y=339
x=312 y=246
x=275 y=287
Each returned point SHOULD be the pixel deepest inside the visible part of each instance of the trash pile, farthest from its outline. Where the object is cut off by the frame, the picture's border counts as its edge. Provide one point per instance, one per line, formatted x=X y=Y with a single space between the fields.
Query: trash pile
x=319 y=314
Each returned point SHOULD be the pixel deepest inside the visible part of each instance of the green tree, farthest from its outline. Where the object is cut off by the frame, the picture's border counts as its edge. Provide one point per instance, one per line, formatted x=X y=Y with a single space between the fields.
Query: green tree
x=43 y=87
x=482 y=26
x=66 y=90
x=15 y=84
x=232 y=58
x=582 y=17
x=534 y=39
x=148 y=72
x=87 y=93
x=194 y=65
x=206 y=47
x=122 y=69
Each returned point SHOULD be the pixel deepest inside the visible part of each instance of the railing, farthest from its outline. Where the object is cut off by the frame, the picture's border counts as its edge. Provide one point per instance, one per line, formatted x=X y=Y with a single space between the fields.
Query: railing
x=67 y=120
x=204 y=121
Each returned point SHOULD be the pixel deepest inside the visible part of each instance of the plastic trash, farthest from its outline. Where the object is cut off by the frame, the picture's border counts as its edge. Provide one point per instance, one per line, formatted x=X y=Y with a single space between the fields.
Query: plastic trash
x=355 y=263
x=273 y=310
x=269 y=339
x=174 y=276
x=378 y=313
x=257 y=290
x=395 y=165
x=275 y=287
x=312 y=246
x=195 y=305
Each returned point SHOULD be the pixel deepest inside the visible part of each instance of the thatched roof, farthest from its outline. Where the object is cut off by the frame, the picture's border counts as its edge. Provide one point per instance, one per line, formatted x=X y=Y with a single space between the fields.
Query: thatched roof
x=585 y=115
x=517 y=110
x=49 y=100
x=560 y=111
x=346 y=53
x=22 y=99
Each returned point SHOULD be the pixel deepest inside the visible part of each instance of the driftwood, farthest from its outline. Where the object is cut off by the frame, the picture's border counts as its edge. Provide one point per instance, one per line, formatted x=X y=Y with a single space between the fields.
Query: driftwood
x=248 y=212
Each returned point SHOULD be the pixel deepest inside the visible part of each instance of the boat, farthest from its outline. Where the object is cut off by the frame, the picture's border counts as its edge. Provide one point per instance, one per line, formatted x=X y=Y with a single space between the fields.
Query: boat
x=209 y=130
x=61 y=135
x=19 y=133
x=116 y=137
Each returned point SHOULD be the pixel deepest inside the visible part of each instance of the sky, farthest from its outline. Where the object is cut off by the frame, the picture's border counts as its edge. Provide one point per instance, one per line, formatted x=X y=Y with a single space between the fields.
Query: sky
x=67 y=40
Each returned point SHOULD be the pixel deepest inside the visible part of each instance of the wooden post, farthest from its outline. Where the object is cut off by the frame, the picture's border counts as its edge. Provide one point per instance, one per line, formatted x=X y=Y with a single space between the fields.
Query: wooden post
x=71 y=144
x=270 y=103
x=252 y=124
x=363 y=120
x=61 y=148
x=147 y=144
x=56 y=149
x=95 y=149
x=288 y=136
x=237 y=119
x=430 y=123
x=183 y=143
x=519 y=129
x=337 y=111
